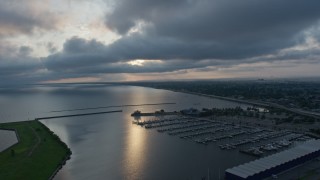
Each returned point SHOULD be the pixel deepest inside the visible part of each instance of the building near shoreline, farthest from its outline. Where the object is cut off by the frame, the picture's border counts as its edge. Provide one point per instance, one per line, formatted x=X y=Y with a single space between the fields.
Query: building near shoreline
x=276 y=163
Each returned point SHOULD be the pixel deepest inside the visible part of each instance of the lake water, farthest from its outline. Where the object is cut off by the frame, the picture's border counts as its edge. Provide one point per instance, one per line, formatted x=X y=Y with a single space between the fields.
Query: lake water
x=7 y=139
x=110 y=146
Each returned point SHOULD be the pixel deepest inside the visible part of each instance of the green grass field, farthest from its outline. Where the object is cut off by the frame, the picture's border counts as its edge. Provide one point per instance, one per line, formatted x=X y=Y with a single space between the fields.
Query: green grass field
x=37 y=155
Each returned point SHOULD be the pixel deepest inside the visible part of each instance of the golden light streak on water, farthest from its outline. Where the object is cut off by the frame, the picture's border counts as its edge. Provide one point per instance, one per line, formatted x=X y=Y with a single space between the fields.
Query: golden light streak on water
x=134 y=153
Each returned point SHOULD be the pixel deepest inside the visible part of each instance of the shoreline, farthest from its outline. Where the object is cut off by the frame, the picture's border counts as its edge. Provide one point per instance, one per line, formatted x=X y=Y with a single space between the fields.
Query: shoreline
x=24 y=159
x=66 y=158
x=249 y=102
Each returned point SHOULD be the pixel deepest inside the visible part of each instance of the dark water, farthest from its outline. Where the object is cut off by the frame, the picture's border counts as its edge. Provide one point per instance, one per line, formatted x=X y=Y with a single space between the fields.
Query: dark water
x=109 y=146
x=7 y=139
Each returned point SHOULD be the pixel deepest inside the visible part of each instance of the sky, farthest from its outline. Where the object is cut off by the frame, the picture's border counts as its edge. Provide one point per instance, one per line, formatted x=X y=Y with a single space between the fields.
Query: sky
x=56 y=41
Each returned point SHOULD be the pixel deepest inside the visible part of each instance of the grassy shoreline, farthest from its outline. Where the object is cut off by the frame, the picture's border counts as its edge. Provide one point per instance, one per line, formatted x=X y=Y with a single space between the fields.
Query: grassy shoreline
x=39 y=154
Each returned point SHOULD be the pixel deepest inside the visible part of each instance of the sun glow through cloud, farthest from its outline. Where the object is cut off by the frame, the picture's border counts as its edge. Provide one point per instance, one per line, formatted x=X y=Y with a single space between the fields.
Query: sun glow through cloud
x=144 y=62
x=137 y=62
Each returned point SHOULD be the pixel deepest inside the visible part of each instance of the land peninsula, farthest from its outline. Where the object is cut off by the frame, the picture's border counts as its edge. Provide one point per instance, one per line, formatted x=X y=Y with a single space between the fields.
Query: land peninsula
x=39 y=153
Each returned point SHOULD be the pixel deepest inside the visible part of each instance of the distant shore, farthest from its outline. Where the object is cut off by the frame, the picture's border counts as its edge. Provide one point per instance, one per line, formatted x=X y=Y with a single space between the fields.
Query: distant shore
x=249 y=102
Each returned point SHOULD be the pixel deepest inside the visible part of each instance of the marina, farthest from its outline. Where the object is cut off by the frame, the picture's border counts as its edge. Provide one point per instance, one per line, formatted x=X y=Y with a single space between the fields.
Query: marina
x=250 y=140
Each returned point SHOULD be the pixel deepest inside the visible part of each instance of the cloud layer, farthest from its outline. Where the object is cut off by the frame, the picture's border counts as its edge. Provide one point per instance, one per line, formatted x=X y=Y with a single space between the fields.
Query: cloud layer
x=24 y=17
x=223 y=29
x=165 y=36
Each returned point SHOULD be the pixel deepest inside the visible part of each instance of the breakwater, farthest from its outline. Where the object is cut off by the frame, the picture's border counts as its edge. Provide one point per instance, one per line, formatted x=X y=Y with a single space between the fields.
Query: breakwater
x=117 y=106
x=156 y=114
x=82 y=114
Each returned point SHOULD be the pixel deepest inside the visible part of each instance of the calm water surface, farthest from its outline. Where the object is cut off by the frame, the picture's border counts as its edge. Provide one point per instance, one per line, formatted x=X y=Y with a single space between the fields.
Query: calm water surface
x=7 y=139
x=109 y=146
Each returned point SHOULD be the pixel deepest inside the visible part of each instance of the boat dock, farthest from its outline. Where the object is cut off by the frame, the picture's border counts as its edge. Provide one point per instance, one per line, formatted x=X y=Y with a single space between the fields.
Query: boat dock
x=256 y=141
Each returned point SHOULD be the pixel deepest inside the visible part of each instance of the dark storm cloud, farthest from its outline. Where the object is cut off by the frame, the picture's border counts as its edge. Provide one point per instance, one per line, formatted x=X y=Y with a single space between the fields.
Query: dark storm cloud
x=77 y=53
x=16 y=61
x=215 y=19
x=90 y=55
x=78 y=45
x=224 y=28
x=20 y=69
x=130 y=12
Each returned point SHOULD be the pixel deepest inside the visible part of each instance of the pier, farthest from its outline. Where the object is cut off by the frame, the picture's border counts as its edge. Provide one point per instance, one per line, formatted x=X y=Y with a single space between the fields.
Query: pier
x=115 y=106
x=157 y=113
x=82 y=114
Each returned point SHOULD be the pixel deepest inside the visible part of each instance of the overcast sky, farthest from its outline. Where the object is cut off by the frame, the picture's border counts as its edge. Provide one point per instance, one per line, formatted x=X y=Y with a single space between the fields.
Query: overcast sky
x=129 y=40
